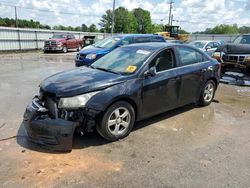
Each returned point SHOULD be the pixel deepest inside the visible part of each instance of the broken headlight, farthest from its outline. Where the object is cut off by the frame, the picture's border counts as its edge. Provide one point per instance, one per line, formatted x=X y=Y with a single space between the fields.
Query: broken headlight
x=216 y=54
x=76 y=101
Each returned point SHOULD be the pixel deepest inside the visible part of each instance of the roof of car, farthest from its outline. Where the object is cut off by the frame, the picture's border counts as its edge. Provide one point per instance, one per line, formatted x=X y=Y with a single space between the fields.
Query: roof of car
x=136 y=35
x=153 y=45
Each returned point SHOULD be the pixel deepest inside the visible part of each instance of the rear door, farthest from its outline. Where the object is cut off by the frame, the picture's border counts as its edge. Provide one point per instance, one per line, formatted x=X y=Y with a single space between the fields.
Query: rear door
x=191 y=70
x=161 y=92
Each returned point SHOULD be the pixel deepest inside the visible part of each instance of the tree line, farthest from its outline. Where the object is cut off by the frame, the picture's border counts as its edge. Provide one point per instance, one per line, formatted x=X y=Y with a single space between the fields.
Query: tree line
x=226 y=29
x=136 y=21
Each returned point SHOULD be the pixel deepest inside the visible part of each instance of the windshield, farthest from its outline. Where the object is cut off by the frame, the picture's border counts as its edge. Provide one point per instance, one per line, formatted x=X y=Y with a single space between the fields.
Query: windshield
x=59 y=36
x=244 y=39
x=107 y=43
x=198 y=44
x=124 y=60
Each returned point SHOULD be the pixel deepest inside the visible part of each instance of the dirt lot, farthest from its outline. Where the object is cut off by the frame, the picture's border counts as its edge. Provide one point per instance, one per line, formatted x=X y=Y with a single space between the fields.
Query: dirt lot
x=187 y=147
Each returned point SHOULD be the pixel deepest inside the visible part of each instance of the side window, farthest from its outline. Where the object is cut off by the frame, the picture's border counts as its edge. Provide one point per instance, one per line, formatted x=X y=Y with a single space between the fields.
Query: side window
x=216 y=45
x=190 y=56
x=142 y=39
x=210 y=44
x=156 y=39
x=72 y=36
x=69 y=37
x=164 y=60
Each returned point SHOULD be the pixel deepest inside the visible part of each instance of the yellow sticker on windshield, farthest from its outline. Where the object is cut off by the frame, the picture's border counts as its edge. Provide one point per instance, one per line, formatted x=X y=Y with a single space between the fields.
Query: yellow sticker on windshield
x=131 y=68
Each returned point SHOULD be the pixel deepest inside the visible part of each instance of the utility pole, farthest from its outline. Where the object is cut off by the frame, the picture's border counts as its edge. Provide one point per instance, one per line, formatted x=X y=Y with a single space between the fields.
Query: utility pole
x=113 y=18
x=172 y=17
x=170 y=11
x=16 y=21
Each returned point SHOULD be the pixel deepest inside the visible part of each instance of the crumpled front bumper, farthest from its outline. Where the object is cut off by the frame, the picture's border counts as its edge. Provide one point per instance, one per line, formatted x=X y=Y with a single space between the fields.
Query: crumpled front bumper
x=56 y=134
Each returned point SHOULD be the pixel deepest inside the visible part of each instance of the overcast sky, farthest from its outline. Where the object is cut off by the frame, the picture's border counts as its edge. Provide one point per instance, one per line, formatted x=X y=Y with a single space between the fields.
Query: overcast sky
x=193 y=15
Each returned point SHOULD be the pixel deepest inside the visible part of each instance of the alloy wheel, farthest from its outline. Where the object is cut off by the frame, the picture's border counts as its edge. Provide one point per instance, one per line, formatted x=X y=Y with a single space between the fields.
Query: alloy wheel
x=118 y=121
x=208 y=92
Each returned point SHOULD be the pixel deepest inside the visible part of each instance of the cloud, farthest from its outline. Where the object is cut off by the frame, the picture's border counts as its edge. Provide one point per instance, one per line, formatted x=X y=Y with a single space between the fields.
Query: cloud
x=192 y=15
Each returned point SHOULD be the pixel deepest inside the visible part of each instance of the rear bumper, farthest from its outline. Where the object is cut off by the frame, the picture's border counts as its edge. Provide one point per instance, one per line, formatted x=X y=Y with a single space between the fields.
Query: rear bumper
x=56 y=134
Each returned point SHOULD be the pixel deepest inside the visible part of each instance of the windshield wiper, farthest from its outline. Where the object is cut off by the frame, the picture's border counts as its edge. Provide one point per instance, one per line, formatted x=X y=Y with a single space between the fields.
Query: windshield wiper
x=106 y=70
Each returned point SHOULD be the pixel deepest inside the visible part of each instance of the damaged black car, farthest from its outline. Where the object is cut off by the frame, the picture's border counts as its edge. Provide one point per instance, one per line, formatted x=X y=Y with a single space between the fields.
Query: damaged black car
x=236 y=54
x=129 y=84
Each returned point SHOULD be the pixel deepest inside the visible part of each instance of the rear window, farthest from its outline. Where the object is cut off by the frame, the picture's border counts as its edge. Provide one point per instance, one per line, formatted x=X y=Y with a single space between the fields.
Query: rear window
x=157 y=39
x=189 y=56
x=141 y=39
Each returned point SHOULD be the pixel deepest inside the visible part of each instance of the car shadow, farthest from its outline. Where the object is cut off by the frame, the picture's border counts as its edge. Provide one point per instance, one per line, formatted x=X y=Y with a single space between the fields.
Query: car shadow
x=94 y=139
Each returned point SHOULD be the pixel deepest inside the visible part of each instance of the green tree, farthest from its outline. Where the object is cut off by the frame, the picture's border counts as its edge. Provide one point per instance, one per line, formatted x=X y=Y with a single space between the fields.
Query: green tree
x=106 y=21
x=84 y=28
x=157 y=28
x=92 y=28
x=143 y=19
x=124 y=21
x=2 y=22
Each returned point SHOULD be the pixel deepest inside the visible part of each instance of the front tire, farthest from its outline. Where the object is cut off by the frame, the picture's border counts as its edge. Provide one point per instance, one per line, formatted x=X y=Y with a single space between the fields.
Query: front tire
x=207 y=93
x=65 y=49
x=117 y=121
x=79 y=47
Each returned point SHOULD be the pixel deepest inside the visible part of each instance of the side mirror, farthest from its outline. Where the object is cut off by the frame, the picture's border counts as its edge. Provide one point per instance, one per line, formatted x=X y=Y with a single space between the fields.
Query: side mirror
x=150 y=72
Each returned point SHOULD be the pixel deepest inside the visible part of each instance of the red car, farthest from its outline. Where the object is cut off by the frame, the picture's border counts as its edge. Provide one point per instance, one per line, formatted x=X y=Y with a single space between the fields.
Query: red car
x=62 y=42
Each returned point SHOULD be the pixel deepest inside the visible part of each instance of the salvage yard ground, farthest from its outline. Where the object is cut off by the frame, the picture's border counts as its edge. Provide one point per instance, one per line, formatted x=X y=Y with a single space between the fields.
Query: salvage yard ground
x=187 y=147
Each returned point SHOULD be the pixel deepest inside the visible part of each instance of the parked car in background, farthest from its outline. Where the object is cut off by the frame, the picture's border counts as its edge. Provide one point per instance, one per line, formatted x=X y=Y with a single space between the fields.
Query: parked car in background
x=90 y=54
x=207 y=46
x=236 y=54
x=175 y=41
x=130 y=83
x=62 y=42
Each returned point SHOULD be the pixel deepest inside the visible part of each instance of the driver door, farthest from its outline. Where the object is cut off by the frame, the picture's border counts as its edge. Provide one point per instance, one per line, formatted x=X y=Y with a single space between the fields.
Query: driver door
x=160 y=92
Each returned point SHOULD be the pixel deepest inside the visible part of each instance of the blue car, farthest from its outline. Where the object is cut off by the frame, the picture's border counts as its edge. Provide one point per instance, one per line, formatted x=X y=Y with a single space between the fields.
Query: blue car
x=90 y=54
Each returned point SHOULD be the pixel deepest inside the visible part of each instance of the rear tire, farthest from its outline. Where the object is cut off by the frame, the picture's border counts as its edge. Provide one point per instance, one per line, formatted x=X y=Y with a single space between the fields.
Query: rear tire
x=207 y=93
x=117 y=121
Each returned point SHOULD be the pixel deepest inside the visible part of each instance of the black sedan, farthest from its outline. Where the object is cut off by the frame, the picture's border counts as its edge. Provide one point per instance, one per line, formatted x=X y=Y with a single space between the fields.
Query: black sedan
x=129 y=84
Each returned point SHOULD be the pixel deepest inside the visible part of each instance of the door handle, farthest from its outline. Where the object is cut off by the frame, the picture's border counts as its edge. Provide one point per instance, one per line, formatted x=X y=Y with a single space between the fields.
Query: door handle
x=203 y=70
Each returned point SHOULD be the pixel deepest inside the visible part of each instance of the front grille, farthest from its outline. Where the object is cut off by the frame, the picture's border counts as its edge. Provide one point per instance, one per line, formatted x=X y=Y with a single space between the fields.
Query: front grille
x=233 y=58
x=50 y=43
x=51 y=106
x=50 y=102
x=241 y=58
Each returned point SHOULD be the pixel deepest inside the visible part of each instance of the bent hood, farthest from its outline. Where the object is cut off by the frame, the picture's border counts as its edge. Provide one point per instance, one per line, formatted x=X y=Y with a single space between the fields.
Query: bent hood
x=78 y=81
x=234 y=49
x=92 y=49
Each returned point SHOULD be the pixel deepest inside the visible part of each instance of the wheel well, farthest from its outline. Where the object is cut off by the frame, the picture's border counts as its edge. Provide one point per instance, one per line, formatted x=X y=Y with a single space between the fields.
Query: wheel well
x=128 y=100
x=215 y=81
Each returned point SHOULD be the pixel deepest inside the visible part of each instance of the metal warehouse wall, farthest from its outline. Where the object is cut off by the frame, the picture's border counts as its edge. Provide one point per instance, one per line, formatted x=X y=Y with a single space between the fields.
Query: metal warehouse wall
x=225 y=38
x=25 y=39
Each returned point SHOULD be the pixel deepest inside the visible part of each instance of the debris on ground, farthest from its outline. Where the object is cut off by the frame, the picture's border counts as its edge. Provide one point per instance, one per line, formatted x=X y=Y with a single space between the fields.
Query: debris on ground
x=235 y=78
x=2 y=125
